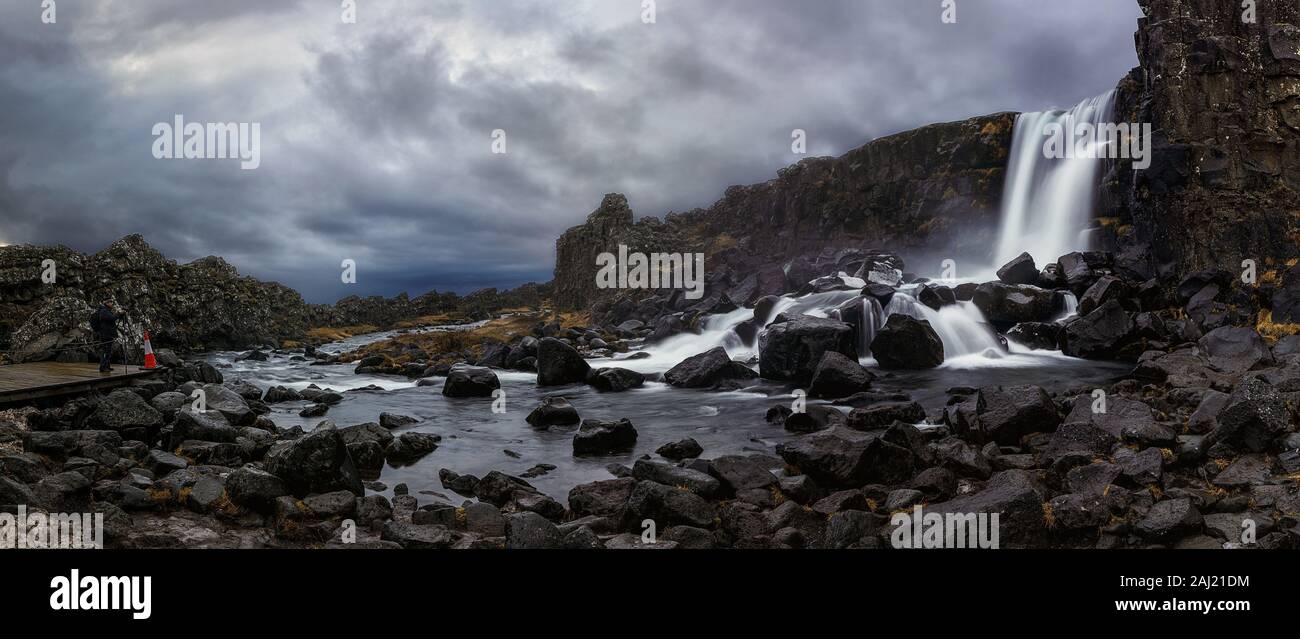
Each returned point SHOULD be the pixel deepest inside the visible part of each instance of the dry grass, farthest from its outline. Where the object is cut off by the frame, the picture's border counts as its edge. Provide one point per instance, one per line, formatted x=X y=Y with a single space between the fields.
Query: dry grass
x=1271 y=331
x=327 y=334
x=471 y=341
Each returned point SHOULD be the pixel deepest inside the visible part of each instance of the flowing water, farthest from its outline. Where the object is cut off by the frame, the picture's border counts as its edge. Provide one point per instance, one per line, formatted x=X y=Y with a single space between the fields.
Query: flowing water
x=1047 y=204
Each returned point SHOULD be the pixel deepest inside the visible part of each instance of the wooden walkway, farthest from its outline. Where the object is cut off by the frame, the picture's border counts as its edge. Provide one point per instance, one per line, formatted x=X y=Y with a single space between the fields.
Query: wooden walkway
x=23 y=382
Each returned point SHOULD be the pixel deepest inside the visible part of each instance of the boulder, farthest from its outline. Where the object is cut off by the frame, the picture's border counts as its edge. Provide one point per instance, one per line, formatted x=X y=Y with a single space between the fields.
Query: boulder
x=669 y=475
x=123 y=409
x=791 y=350
x=601 y=438
x=1005 y=305
x=254 y=488
x=1254 y=415
x=470 y=381
x=1005 y=415
x=1286 y=298
x=391 y=421
x=907 y=343
x=883 y=414
x=606 y=498
x=228 y=403
x=410 y=447
x=208 y=426
x=559 y=364
x=838 y=376
x=840 y=457
x=1015 y=495
x=684 y=449
x=1236 y=349
x=707 y=370
x=1169 y=519
x=1098 y=335
x=1043 y=336
x=553 y=411
x=1104 y=290
x=316 y=463
x=615 y=380
x=531 y=531
x=1020 y=270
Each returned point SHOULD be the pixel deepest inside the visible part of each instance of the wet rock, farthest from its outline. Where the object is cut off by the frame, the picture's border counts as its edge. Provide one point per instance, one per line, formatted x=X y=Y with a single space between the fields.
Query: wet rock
x=670 y=475
x=1093 y=478
x=1105 y=289
x=1005 y=305
x=1016 y=495
x=668 y=506
x=606 y=498
x=208 y=426
x=1124 y=419
x=161 y=463
x=315 y=410
x=1007 y=414
x=530 y=531
x=884 y=414
x=466 y=484
x=277 y=394
x=317 y=463
x=1142 y=468
x=841 y=457
x=65 y=492
x=600 y=438
x=553 y=411
x=1168 y=519
x=414 y=536
x=838 y=376
x=228 y=403
x=410 y=447
x=907 y=343
x=679 y=450
x=1043 y=336
x=1247 y=470
x=470 y=381
x=168 y=403
x=124 y=409
x=392 y=420
x=559 y=364
x=1020 y=270
x=1098 y=335
x=615 y=380
x=62 y=444
x=961 y=458
x=791 y=350
x=254 y=488
x=850 y=529
x=707 y=370
x=1255 y=414
x=741 y=473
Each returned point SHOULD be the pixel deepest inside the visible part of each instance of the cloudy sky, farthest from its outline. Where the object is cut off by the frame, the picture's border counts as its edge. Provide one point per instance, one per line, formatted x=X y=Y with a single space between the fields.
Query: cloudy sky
x=376 y=137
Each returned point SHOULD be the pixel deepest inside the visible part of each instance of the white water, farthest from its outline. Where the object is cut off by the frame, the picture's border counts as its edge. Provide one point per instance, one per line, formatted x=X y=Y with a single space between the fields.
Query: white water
x=1047 y=202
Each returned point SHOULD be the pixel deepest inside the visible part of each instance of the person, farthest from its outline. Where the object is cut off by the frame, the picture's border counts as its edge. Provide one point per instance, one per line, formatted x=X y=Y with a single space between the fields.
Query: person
x=104 y=325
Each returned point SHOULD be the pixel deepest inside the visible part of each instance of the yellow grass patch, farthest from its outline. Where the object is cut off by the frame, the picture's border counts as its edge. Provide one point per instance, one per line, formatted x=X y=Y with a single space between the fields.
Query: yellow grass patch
x=1271 y=330
x=329 y=334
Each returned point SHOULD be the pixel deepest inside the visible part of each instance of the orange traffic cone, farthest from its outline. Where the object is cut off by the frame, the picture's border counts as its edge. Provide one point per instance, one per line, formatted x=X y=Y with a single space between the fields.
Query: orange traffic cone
x=149 y=360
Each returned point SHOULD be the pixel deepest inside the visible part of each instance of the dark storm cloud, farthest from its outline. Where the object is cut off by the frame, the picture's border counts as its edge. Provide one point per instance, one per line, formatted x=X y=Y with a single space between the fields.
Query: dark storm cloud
x=376 y=136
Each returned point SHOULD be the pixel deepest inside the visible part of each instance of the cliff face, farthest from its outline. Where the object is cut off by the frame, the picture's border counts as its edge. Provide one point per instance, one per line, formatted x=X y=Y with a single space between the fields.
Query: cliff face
x=939 y=186
x=203 y=304
x=1223 y=98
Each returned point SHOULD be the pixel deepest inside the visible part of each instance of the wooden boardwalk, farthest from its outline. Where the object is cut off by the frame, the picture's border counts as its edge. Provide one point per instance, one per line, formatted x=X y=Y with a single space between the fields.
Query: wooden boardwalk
x=23 y=382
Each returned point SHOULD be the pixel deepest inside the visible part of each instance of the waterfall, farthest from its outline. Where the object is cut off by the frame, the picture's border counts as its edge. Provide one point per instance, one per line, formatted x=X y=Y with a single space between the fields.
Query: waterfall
x=1047 y=202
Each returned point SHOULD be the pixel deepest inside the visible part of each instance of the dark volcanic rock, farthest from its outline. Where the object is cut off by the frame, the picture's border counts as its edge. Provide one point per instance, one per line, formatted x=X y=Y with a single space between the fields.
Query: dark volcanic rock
x=470 y=381
x=317 y=463
x=842 y=457
x=791 y=350
x=1020 y=270
x=600 y=438
x=685 y=449
x=1098 y=335
x=124 y=408
x=1170 y=518
x=1253 y=416
x=1235 y=349
x=1007 y=414
x=1016 y=495
x=838 y=376
x=1038 y=335
x=553 y=411
x=559 y=364
x=707 y=370
x=1005 y=305
x=907 y=343
x=615 y=380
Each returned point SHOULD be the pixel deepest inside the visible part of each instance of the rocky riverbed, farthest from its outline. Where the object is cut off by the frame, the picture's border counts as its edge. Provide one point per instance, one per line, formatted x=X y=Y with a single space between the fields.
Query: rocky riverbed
x=575 y=436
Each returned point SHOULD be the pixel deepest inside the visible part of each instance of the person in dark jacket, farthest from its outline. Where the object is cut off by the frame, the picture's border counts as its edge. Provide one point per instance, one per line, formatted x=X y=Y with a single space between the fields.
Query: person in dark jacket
x=104 y=324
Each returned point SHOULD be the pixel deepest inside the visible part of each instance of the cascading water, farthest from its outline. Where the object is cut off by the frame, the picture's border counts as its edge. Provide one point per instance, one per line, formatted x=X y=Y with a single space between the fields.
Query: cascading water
x=1047 y=201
